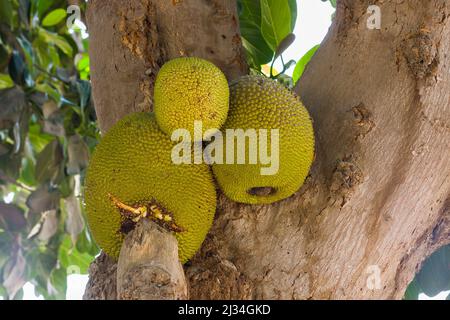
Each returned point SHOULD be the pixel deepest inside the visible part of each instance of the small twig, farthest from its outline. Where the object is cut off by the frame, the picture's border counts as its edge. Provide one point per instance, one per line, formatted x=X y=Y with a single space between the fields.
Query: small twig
x=55 y=77
x=151 y=210
x=279 y=73
x=271 y=68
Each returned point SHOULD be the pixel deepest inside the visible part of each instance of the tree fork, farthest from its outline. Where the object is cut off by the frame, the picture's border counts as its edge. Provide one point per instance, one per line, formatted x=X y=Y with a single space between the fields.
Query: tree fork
x=377 y=200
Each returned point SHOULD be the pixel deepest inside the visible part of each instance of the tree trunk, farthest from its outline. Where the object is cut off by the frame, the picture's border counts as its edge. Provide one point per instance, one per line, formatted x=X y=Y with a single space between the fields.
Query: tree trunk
x=376 y=203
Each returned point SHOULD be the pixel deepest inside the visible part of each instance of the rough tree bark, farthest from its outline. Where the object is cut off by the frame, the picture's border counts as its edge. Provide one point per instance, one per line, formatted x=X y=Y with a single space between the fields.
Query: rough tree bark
x=148 y=266
x=377 y=199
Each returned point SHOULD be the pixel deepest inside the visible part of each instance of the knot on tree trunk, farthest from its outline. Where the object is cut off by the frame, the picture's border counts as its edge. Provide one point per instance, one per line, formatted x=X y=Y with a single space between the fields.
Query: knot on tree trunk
x=421 y=53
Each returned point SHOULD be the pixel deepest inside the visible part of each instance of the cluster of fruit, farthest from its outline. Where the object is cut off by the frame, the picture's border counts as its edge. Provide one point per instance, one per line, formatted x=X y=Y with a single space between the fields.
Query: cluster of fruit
x=132 y=174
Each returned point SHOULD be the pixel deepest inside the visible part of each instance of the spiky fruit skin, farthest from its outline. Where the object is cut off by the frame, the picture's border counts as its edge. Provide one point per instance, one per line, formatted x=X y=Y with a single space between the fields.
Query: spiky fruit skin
x=260 y=103
x=190 y=89
x=133 y=163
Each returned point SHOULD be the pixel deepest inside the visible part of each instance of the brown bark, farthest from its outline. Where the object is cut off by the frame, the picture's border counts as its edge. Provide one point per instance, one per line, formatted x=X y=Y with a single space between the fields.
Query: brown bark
x=130 y=40
x=148 y=266
x=102 y=283
x=377 y=198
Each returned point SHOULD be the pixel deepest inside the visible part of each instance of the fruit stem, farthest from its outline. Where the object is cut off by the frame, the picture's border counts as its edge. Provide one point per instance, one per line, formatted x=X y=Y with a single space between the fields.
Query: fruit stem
x=140 y=211
x=156 y=214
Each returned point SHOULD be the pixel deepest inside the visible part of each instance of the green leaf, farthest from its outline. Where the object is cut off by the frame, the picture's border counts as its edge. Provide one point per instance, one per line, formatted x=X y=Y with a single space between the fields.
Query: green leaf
x=6 y=81
x=84 y=91
x=49 y=163
x=48 y=89
x=18 y=70
x=24 y=12
x=83 y=63
x=58 y=281
x=83 y=243
x=293 y=7
x=73 y=260
x=57 y=40
x=258 y=52
x=275 y=21
x=71 y=121
x=37 y=138
x=66 y=187
x=27 y=49
x=27 y=173
x=42 y=6
x=301 y=64
x=84 y=75
x=4 y=57
x=413 y=291
x=46 y=262
x=54 y=17
x=6 y=11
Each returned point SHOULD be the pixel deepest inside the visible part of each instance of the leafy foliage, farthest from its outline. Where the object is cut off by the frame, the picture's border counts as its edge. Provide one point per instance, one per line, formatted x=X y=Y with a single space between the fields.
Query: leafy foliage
x=301 y=64
x=332 y=2
x=267 y=31
x=275 y=22
x=47 y=130
x=258 y=51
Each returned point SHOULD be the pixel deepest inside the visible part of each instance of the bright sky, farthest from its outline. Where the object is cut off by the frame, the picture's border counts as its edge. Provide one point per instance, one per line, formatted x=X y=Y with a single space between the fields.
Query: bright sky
x=314 y=19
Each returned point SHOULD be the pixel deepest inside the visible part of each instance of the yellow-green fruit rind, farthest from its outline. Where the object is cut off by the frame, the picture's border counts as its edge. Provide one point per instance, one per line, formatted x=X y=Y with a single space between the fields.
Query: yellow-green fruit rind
x=260 y=103
x=188 y=90
x=133 y=163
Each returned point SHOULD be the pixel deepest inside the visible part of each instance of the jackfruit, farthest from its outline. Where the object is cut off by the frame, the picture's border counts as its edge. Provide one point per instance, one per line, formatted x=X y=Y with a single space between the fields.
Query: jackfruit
x=257 y=103
x=132 y=165
x=187 y=90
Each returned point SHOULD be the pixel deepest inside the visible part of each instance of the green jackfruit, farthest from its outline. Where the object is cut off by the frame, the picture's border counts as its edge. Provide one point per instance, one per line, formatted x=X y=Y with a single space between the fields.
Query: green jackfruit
x=188 y=90
x=132 y=164
x=259 y=103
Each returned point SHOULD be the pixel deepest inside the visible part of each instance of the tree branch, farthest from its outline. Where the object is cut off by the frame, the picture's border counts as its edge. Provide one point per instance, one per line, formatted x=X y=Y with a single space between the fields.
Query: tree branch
x=148 y=267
